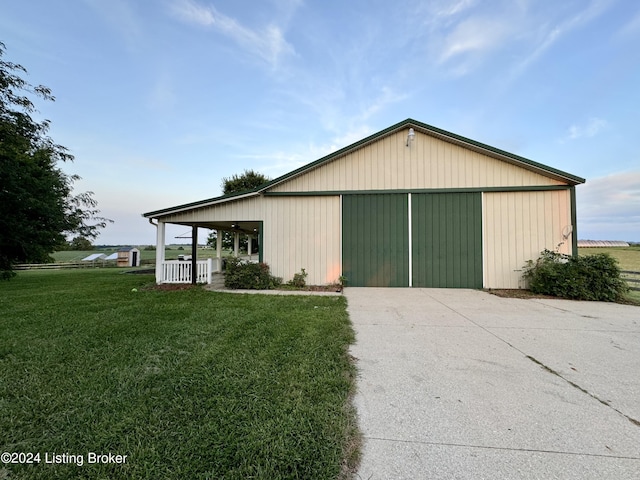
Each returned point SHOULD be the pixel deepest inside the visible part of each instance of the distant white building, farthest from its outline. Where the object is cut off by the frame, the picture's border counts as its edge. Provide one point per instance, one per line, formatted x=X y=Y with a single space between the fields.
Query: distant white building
x=128 y=257
x=601 y=243
x=93 y=257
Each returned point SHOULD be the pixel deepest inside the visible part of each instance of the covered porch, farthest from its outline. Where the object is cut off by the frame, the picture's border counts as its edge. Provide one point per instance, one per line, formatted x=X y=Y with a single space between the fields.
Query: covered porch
x=181 y=270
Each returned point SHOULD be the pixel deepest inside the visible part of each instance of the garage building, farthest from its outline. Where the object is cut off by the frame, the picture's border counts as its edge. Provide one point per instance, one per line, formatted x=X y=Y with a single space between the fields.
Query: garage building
x=410 y=206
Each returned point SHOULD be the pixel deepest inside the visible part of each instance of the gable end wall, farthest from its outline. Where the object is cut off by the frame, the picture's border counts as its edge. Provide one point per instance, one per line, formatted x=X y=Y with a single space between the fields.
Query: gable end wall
x=429 y=162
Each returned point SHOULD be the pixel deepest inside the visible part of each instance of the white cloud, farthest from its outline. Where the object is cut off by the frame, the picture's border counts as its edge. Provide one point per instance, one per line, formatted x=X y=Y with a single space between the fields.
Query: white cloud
x=446 y=8
x=609 y=207
x=295 y=156
x=475 y=35
x=461 y=39
x=549 y=33
x=387 y=96
x=591 y=128
x=631 y=28
x=268 y=44
x=191 y=12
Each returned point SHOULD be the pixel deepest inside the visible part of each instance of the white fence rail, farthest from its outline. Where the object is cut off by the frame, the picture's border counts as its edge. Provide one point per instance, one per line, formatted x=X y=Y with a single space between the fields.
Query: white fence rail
x=179 y=271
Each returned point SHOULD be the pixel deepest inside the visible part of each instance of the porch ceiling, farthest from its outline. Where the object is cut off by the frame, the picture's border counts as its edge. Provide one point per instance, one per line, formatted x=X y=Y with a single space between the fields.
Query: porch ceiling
x=248 y=227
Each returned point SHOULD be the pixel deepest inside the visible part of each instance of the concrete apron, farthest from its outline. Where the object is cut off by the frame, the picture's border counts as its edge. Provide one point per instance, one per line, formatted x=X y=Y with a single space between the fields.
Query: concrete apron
x=461 y=384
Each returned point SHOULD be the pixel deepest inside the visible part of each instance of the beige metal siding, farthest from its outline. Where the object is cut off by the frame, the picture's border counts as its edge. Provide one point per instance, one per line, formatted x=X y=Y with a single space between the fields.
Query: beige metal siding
x=298 y=232
x=303 y=232
x=429 y=162
x=517 y=226
x=248 y=209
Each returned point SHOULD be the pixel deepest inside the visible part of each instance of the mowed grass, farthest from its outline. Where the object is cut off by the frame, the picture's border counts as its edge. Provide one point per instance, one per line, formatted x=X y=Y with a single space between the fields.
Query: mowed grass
x=188 y=384
x=628 y=257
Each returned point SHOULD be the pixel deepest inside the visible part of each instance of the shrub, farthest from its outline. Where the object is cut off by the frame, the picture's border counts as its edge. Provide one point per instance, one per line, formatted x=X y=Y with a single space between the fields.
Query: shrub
x=593 y=277
x=246 y=275
x=299 y=279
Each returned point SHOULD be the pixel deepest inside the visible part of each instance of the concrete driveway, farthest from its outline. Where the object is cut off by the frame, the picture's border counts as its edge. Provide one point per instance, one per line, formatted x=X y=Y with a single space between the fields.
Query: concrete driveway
x=461 y=384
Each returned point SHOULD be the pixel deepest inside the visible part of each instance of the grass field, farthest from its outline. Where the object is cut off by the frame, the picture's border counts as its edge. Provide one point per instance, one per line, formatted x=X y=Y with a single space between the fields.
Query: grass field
x=628 y=257
x=188 y=384
x=145 y=255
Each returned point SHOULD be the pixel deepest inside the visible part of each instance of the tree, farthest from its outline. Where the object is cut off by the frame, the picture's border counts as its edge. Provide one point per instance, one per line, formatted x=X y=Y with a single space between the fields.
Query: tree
x=37 y=207
x=80 y=243
x=248 y=180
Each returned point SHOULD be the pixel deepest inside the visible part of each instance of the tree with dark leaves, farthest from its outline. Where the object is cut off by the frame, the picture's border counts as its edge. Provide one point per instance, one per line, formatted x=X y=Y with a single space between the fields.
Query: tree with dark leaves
x=37 y=207
x=248 y=180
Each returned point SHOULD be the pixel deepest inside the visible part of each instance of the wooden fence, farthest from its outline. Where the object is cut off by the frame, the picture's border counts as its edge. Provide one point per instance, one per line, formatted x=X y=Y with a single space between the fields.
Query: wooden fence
x=59 y=265
x=632 y=278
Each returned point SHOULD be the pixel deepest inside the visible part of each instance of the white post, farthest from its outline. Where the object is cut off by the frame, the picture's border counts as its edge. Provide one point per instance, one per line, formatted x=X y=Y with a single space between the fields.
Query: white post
x=219 y=248
x=160 y=251
x=249 y=245
x=236 y=244
x=209 y=269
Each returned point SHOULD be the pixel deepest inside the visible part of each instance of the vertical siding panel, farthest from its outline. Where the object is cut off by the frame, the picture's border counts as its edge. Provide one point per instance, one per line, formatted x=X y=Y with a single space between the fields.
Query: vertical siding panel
x=349 y=172
x=389 y=156
x=421 y=160
x=299 y=235
x=361 y=181
x=519 y=225
x=399 y=168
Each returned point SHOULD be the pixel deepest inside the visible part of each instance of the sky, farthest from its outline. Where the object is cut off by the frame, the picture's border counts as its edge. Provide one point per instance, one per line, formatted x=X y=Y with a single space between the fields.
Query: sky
x=159 y=100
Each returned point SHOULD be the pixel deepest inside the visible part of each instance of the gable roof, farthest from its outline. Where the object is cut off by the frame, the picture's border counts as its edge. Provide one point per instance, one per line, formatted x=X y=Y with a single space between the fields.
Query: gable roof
x=405 y=124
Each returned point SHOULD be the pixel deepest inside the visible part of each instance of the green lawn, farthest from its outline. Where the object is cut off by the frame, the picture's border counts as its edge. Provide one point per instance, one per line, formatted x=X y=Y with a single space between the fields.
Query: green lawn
x=628 y=257
x=188 y=384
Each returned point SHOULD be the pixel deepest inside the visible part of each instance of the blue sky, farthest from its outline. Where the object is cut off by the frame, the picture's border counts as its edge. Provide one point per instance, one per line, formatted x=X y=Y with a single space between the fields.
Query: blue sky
x=160 y=99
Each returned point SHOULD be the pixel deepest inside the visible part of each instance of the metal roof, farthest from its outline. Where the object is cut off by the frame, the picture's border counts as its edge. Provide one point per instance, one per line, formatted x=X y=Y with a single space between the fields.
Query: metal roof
x=93 y=256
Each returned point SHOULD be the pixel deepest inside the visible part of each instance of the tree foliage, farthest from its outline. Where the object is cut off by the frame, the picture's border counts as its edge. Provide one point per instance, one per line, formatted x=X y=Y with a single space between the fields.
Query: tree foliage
x=37 y=207
x=81 y=244
x=592 y=277
x=227 y=242
x=248 y=180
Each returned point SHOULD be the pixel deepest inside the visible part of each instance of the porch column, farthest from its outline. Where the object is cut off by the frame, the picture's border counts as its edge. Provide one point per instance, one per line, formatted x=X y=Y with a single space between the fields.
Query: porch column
x=194 y=254
x=236 y=244
x=249 y=241
x=159 y=250
x=219 y=248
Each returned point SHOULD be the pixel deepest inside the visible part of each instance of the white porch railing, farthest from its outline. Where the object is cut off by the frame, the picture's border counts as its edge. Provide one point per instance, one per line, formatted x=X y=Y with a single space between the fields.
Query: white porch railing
x=179 y=271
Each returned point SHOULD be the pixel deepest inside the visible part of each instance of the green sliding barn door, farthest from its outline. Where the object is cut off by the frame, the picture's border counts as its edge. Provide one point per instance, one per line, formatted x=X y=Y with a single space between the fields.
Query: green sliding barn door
x=446 y=240
x=375 y=240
